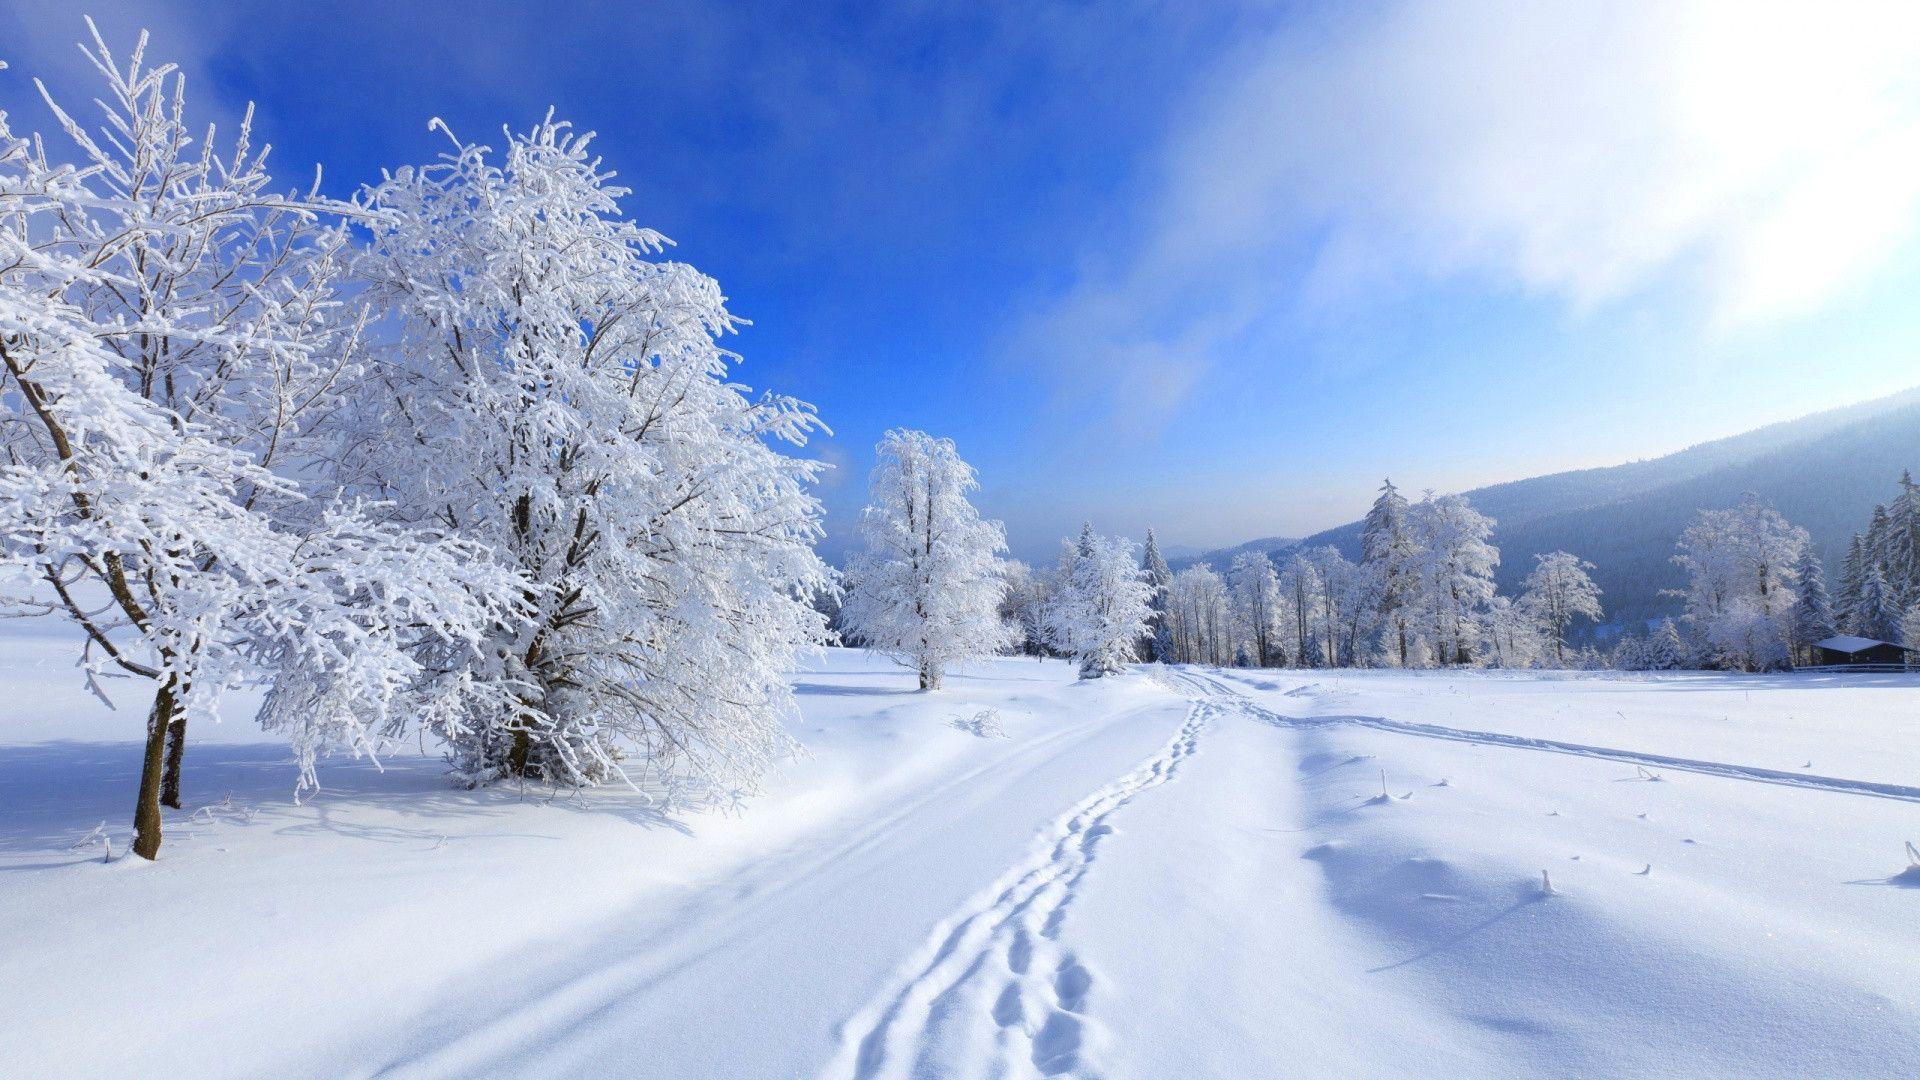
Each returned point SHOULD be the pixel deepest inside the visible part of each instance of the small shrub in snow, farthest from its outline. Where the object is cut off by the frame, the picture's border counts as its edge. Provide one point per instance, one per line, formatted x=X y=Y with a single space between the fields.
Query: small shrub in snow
x=985 y=723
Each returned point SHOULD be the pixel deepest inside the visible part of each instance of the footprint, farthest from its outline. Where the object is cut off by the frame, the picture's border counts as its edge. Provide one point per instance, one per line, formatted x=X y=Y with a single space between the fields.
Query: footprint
x=1092 y=836
x=1020 y=953
x=1010 y=1010
x=1071 y=983
x=1056 y=1048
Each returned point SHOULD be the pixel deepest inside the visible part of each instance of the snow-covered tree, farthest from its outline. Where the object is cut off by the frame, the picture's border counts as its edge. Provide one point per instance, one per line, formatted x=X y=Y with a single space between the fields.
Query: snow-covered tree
x=1256 y=608
x=1666 y=650
x=1299 y=610
x=1202 y=617
x=1742 y=565
x=1101 y=603
x=1516 y=635
x=1630 y=653
x=556 y=393
x=1878 y=613
x=1900 y=550
x=173 y=347
x=1023 y=606
x=1348 y=603
x=1391 y=555
x=1159 y=641
x=1812 y=619
x=1910 y=628
x=1453 y=579
x=1853 y=576
x=928 y=588
x=1555 y=593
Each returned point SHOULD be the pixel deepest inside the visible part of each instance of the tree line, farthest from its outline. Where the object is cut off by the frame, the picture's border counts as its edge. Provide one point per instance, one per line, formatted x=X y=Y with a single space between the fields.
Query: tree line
x=1422 y=594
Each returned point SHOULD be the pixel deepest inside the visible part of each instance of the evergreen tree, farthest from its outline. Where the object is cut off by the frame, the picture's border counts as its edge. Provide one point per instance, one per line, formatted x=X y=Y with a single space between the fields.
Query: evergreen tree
x=1666 y=650
x=1879 y=539
x=1389 y=553
x=1159 y=640
x=1853 y=578
x=1101 y=603
x=1813 y=612
x=1629 y=654
x=1910 y=630
x=1879 y=614
x=1901 y=558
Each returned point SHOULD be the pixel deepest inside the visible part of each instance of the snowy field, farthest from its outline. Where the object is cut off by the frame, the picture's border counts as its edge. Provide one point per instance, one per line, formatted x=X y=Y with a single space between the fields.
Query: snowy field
x=1171 y=873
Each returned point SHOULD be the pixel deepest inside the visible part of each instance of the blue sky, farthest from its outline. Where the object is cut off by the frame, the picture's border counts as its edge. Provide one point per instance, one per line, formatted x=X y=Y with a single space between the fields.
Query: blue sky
x=1215 y=268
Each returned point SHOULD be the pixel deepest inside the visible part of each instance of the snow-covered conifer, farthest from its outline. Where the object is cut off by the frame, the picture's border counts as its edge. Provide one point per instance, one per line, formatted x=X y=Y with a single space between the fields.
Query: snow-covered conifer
x=1629 y=654
x=1813 y=610
x=1390 y=553
x=928 y=587
x=557 y=394
x=1101 y=603
x=1878 y=614
x=1853 y=576
x=1900 y=556
x=1159 y=641
x=1910 y=628
x=1666 y=650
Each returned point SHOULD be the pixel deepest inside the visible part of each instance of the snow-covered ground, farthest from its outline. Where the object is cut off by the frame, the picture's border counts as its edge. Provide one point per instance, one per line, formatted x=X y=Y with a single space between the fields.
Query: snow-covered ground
x=1171 y=873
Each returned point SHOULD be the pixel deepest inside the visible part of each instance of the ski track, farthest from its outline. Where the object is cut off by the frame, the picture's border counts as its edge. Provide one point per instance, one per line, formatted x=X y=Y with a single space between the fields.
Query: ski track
x=996 y=973
x=553 y=1010
x=1750 y=773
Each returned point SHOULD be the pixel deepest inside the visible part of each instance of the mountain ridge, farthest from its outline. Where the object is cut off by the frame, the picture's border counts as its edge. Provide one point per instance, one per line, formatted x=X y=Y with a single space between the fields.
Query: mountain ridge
x=1823 y=471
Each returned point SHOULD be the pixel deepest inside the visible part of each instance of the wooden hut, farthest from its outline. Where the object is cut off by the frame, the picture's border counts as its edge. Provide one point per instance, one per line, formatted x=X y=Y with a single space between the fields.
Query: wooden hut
x=1847 y=651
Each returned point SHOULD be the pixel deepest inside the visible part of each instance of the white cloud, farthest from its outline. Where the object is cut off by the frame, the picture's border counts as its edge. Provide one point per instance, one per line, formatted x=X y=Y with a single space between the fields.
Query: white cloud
x=1753 y=161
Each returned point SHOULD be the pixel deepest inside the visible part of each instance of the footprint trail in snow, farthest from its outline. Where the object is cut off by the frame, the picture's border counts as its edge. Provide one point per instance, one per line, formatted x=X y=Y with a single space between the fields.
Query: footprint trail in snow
x=995 y=991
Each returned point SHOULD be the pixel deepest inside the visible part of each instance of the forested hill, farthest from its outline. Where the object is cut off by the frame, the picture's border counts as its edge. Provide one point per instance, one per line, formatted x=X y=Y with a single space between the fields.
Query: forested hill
x=1824 y=472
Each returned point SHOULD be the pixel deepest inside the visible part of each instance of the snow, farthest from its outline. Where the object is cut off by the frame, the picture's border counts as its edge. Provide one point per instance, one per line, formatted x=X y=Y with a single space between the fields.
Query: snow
x=1173 y=872
x=1846 y=643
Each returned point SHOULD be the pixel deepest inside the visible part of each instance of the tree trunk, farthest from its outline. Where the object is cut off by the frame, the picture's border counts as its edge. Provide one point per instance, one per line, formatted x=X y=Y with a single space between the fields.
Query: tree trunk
x=517 y=753
x=176 y=746
x=929 y=678
x=522 y=746
x=146 y=811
